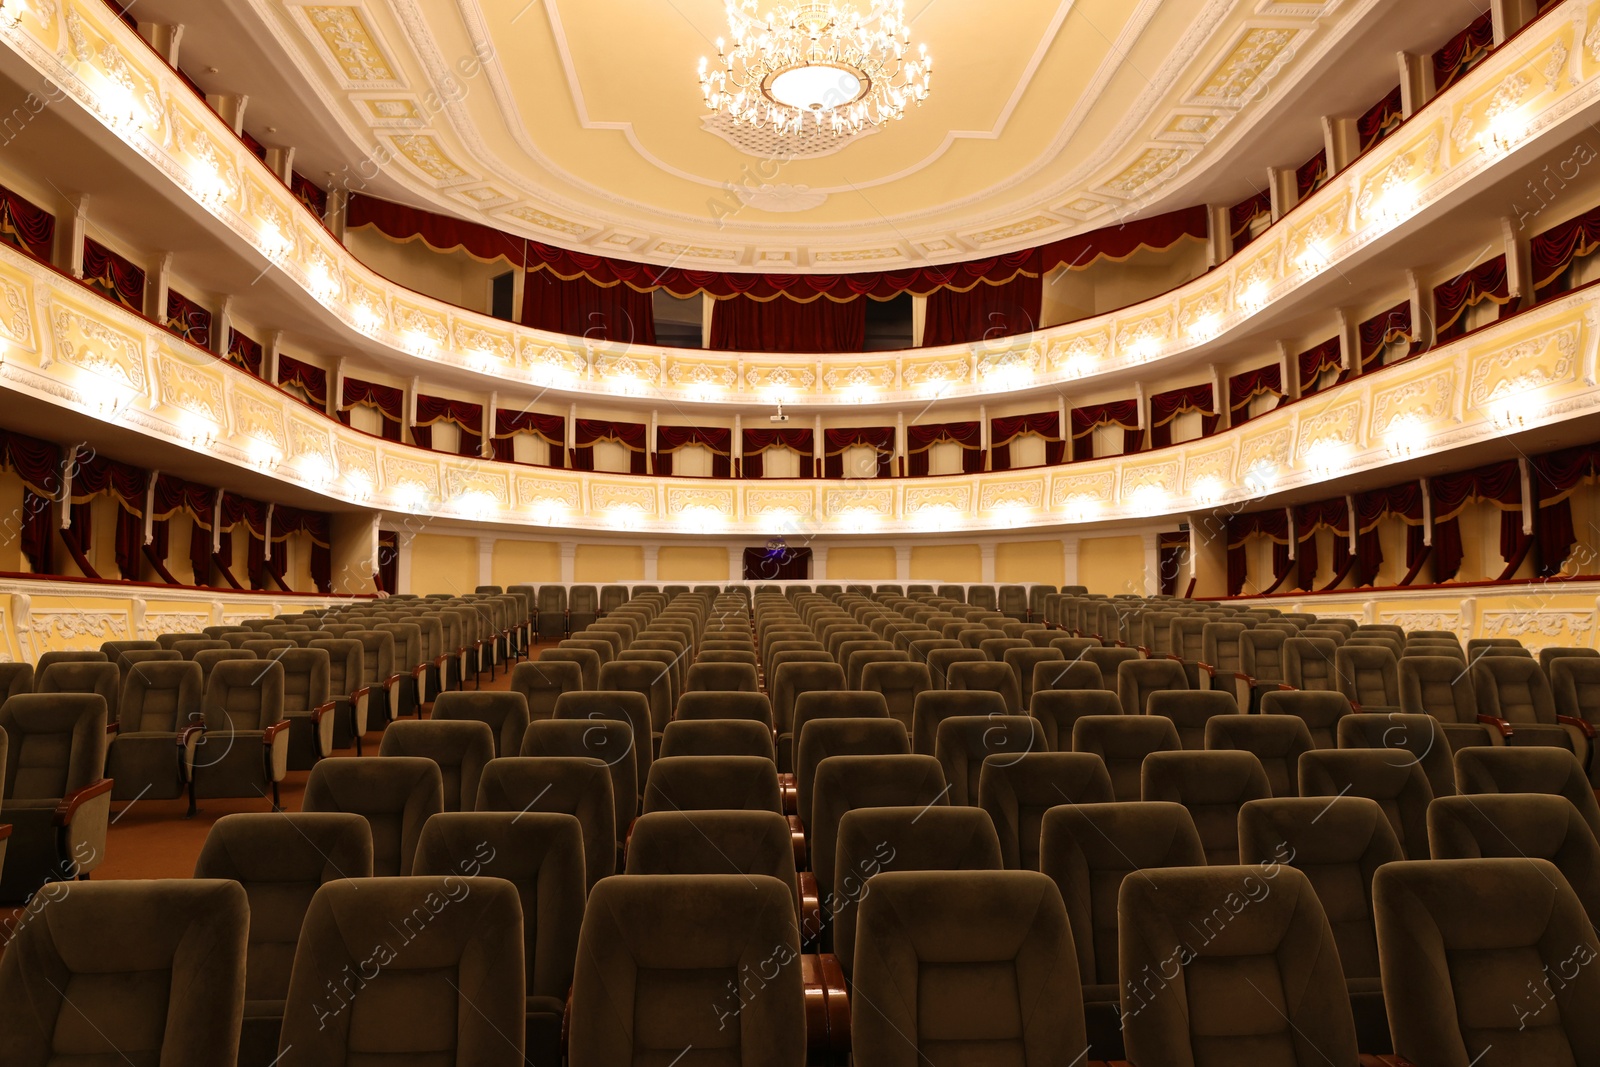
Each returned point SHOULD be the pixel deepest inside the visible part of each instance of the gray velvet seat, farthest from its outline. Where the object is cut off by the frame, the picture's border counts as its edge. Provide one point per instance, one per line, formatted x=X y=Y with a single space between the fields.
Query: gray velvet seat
x=395 y=794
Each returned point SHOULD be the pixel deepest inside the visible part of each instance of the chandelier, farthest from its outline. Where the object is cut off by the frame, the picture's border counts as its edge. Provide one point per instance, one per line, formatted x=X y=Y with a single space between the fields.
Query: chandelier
x=845 y=69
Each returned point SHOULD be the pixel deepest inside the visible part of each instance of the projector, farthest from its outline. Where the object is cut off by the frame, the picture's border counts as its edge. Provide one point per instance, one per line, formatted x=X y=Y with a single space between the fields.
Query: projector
x=778 y=418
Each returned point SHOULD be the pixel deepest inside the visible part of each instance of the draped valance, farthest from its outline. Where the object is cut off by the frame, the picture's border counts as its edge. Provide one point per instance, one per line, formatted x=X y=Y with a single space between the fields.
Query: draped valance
x=187 y=319
x=920 y=440
x=1165 y=407
x=313 y=380
x=1554 y=250
x=1005 y=429
x=1247 y=385
x=467 y=416
x=244 y=352
x=1487 y=281
x=113 y=276
x=1463 y=52
x=389 y=401
x=1382 y=330
x=1311 y=175
x=26 y=225
x=836 y=442
x=1381 y=119
x=1314 y=361
x=1243 y=214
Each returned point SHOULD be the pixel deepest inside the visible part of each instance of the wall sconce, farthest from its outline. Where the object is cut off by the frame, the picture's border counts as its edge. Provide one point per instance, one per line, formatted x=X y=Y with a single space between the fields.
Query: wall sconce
x=200 y=432
x=1148 y=500
x=1208 y=490
x=1324 y=457
x=11 y=13
x=1080 y=507
x=1261 y=477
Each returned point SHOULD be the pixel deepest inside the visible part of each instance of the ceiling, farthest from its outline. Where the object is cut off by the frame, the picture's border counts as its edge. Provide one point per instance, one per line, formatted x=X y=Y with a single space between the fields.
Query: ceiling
x=580 y=122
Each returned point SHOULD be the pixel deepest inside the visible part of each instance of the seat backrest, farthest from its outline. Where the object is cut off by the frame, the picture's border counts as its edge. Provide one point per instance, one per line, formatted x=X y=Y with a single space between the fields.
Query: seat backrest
x=900 y=683
x=726 y=677
x=1058 y=709
x=1369 y=675
x=395 y=794
x=461 y=748
x=56 y=744
x=243 y=696
x=716 y=737
x=473 y=935
x=1535 y=769
x=541 y=854
x=305 y=678
x=1338 y=845
x=506 y=714
x=1527 y=825
x=935 y=705
x=610 y=741
x=1213 y=786
x=649 y=679
x=713 y=783
x=1016 y=791
x=986 y=675
x=1481 y=955
x=1439 y=686
x=575 y=785
x=844 y=783
x=587 y=659
x=714 y=842
x=1412 y=738
x=1514 y=689
x=167 y=990
x=1088 y=849
x=1261 y=654
x=652 y=945
x=1123 y=741
x=1220 y=645
x=964 y=743
x=823 y=738
x=160 y=697
x=1575 y=685
x=1398 y=785
x=344 y=664
x=541 y=683
x=1190 y=710
x=1308 y=663
x=281 y=860
x=1278 y=940
x=1319 y=710
x=81 y=676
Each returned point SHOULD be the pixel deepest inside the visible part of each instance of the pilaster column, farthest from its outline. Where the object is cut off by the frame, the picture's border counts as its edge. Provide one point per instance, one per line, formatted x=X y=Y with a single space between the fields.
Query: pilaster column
x=819 y=563
x=569 y=552
x=486 y=561
x=1152 y=564
x=902 y=563
x=735 y=563
x=73 y=225
x=987 y=551
x=408 y=410
x=651 y=558
x=230 y=107
x=1069 y=561
x=402 y=564
x=155 y=293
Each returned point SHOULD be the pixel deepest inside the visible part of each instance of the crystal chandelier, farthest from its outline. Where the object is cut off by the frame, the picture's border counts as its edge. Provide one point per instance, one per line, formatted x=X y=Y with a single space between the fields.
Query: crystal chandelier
x=845 y=69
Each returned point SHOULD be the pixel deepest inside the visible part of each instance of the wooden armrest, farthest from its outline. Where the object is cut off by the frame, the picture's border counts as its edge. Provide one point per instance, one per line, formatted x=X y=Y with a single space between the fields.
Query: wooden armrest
x=392 y=679
x=187 y=732
x=566 y=1025
x=270 y=734
x=1385 y=1061
x=1286 y=688
x=816 y=1007
x=838 y=1005
x=78 y=798
x=1498 y=723
x=359 y=694
x=1582 y=725
x=5 y=830
x=1355 y=707
x=1208 y=668
x=322 y=709
x=797 y=837
x=112 y=727
x=810 y=907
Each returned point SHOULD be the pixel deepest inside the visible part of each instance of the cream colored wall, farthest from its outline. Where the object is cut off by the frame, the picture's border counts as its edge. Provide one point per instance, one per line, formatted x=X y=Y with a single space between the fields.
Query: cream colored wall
x=1072 y=295
x=355 y=547
x=441 y=564
x=861 y=563
x=454 y=277
x=608 y=563
x=522 y=562
x=945 y=563
x=1029 y=561
x=1111 y=565
x=11 y=560
x=692 y=563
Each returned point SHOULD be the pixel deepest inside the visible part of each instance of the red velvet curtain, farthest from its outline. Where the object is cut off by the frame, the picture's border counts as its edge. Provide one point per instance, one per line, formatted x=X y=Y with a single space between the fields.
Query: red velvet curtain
x=1497 y=483
x=38 y=464
x=113 y=276
x=388 y=576
x=551 y=428
x=240 y=511
x=400 y=223
x=983 y=311
x=1246 y=386
x=1554 y=476
x=756 y=442
x=1273 y=525
x=921 y=438
x=1382 y=330
x=188 y=320
x=1244 y=213
x=1487 y=281
x=1124 y=413
x=783 y=325
x=27 y=226
x=174 y=494
x=617 y=313
x=1007 y=428
x=93 y=475
x=1164 y=407
x=836 y=442
x=718 y=439
x=1314 y=361
x=308 y=193
x=1403 y=502
x=631 y=435
x=314 y=380
x=469 y=417
x=287 y=522
x=1170 y=549
x=1311 y=175
x=388 y=400
x=1309 y=518
x=1554 y=250
x=1463 y=52
x=244 y=352
x=1381 y=119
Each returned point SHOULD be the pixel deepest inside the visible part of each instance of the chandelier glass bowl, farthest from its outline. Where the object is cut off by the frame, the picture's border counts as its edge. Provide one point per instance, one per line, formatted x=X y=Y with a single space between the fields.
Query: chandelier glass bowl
x=834 y=66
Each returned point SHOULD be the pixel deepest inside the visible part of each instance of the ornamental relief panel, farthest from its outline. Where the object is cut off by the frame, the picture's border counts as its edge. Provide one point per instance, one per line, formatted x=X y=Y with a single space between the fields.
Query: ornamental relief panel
x=460 y=482
x=399 y=472
x=608 y=497
x=190 y=388
x=627 y=368
x=70 y=627
x=257 y=419
x=1011 y=361
x=1426 y=400
x=1216 y=465
x=1210 y=304
x=1162 y=475
x=1578 y=625
x=420 y=325
x=475 y=340
x=1026 y=494
x=1339 y=424
x=1400 y=176
x=543 y=358
x=861 y=376
x=1424 y=620
x=921 y=498
x=759 y=502
x=1078 y=355
x=359 y=462
x=532 y=492
x=91 y=345
x=305 y=439
x=1310 y=242
x=936 y=372
x=700 y=498
x=1550 y=359
x=1270 y=448
x=1099 y=486
x=839 y=502
x=783 y=379
x=1141 y=337
x=173 y=622
x=15 y=318
x=689 y=375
